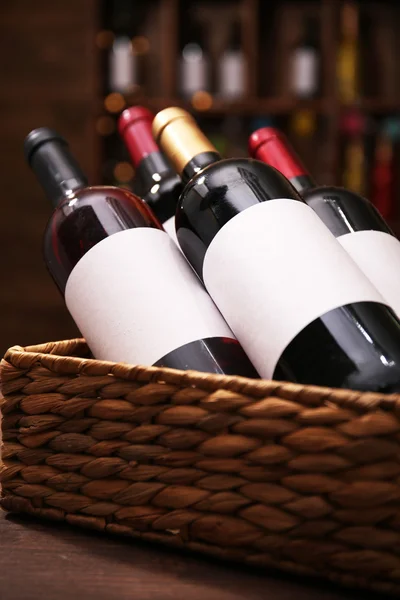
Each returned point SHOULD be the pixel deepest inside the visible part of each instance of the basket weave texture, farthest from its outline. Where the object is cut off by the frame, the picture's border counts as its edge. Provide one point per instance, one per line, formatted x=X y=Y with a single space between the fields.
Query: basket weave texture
x=273 y=474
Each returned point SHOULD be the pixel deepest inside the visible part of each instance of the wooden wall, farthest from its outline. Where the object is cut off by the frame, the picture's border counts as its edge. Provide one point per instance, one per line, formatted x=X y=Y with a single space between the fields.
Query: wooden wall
x=48 y=78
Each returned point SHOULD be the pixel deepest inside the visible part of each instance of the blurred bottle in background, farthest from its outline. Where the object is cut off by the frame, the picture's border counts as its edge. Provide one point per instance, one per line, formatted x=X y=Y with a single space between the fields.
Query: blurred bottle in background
x=305 y=62
x=194 y=61
x=123 y=64
x=348 y=54
x=231 y=67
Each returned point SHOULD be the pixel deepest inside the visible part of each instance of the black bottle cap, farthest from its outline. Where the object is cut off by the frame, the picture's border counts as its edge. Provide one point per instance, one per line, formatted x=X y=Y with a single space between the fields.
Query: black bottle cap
x=49 y=156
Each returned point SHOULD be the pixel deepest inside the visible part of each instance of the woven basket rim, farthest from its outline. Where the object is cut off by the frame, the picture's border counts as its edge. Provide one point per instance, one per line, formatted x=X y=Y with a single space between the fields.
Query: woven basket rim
x=71 y=357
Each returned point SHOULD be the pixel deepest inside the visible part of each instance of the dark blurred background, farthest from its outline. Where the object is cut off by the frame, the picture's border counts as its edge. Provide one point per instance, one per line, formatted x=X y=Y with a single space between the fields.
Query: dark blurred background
x=326 y=71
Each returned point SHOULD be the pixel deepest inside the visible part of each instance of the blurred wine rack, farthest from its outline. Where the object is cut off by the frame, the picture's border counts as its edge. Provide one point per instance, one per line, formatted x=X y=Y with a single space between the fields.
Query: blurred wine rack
x=325 y=71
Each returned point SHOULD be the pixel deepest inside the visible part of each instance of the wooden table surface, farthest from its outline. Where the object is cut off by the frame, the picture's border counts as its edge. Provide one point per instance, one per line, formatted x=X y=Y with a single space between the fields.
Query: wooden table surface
x=45 y=561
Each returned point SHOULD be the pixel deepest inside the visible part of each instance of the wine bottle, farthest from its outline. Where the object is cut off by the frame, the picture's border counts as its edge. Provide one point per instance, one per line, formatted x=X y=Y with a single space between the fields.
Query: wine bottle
x=123 y=68
x=348 y=54
x=231 y=67
x=155 y=181
x=305 y=64
x=129 y=289
x=194 y=64
x=352 y=219
x=298 y=304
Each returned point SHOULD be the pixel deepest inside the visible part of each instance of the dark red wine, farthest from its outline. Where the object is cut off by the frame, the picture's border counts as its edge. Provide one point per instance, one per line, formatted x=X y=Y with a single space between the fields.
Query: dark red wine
x=129 y=289
x=297 y=303
x=155 y=180
x=352 y=219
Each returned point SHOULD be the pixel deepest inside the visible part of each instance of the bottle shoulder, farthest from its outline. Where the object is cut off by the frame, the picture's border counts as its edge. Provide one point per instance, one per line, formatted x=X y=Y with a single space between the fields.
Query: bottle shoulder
x=103 y=200
x=240 y=182
x=232 y=165
x=345 y=210
x=332 y=193
x=98 y=193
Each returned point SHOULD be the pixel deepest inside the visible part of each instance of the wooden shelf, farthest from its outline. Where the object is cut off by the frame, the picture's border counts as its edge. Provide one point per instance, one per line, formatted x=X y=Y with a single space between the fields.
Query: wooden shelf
x=245 y=107
x=267 y=106
x=375 y=106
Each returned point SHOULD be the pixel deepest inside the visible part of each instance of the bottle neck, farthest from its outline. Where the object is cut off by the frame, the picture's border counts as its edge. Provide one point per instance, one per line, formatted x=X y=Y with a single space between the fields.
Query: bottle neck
x=194 y=34
x=302 y=183
x=186 y=146
x=57 y=171
x=121 y=17
x=236 y=38
x=270 y=146
x=198 y=163
x=151 y=170
x=159 y=185
x=309 y=38
x=139 y=141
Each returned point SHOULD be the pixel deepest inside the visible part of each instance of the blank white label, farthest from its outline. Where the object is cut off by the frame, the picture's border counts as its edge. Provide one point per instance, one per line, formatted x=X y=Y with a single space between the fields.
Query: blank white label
x=378 y=255
x=232 y=74
x=194 y=70
x=272 y=270
x=135 y=298
x=305 y=72
x=122 y=65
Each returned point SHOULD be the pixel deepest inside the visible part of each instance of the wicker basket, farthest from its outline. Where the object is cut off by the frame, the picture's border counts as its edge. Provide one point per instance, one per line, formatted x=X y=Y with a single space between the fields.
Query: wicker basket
x=272 y=474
